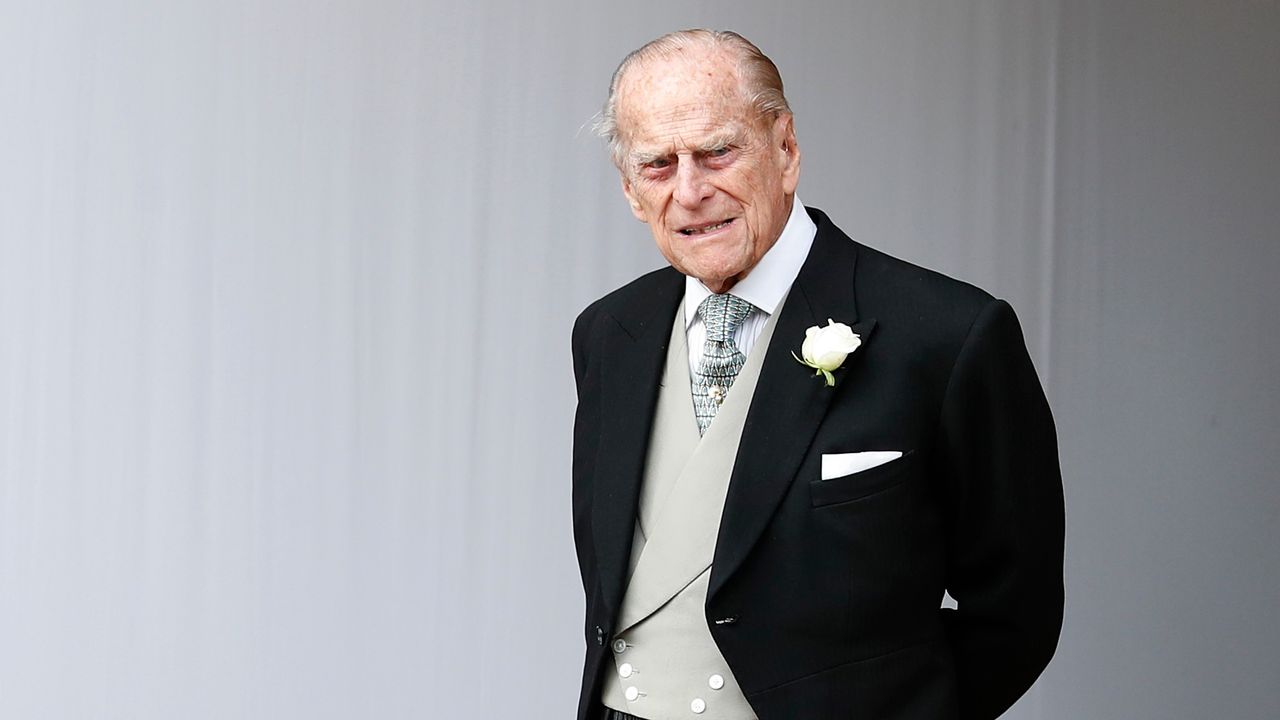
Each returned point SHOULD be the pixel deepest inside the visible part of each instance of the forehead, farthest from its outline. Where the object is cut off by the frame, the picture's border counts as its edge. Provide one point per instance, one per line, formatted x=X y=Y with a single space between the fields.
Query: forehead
x=681 y=100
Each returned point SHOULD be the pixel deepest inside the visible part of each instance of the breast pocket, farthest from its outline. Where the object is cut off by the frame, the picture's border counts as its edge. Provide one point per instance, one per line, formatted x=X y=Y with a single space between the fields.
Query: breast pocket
x=864 y=483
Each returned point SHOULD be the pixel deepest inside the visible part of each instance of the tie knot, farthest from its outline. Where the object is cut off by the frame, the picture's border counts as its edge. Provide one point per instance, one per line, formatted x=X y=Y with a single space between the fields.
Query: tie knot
x=722 y=314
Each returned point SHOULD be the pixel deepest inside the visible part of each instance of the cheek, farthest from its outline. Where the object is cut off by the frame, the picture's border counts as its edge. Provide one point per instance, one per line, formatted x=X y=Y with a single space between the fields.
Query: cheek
x=667 y=245
x=751 y=189
x=653 y=202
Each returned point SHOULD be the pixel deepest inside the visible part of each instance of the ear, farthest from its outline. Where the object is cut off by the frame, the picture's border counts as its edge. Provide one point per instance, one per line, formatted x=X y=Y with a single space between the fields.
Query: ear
x=784 y=135
x=632 y=199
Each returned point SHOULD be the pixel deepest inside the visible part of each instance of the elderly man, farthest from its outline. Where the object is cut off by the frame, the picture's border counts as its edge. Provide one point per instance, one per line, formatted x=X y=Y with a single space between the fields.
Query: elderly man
x=789 y=445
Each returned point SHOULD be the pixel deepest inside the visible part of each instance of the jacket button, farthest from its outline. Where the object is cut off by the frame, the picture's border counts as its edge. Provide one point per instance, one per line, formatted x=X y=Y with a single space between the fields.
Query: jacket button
x=599 y=635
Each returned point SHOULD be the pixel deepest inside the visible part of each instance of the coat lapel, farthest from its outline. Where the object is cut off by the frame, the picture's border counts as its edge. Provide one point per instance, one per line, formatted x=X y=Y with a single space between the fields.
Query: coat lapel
x=635 y=346
x=790 y=401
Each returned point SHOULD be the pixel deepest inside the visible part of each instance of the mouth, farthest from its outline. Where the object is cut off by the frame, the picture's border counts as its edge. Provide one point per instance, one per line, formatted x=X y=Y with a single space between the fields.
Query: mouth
x=693 y=230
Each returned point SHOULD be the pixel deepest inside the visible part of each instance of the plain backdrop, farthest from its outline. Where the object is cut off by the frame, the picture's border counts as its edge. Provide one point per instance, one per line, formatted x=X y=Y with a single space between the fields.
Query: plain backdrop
x=286 y=290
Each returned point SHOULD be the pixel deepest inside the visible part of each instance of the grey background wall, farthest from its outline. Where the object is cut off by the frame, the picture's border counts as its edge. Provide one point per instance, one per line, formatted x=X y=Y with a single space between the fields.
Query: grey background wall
x=285 y=292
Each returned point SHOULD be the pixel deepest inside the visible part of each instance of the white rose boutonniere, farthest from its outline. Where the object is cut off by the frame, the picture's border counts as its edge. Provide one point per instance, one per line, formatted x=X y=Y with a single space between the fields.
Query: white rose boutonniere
x=825 y=348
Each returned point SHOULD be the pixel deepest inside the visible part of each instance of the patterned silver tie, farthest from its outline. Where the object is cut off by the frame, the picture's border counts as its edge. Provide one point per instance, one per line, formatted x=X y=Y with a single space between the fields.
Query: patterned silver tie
x=721 y=359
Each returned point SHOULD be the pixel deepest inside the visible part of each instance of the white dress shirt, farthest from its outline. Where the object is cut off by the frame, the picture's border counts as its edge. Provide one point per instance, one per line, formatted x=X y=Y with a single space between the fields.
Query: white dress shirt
x=764 y=287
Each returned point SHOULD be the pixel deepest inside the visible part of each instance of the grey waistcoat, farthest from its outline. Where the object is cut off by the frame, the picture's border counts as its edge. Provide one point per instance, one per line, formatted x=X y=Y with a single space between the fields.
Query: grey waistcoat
x=666 y=664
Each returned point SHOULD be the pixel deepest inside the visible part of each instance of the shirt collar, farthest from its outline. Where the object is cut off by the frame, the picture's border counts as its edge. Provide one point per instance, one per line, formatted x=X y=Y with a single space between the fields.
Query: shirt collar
x=769 y=280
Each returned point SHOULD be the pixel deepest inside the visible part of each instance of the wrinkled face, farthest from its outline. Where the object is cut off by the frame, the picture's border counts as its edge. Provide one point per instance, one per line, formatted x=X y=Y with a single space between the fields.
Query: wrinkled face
x=713 y=180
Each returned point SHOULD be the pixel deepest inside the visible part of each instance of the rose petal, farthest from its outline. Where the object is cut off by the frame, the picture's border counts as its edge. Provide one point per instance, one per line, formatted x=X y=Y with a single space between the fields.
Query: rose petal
x=830 y=360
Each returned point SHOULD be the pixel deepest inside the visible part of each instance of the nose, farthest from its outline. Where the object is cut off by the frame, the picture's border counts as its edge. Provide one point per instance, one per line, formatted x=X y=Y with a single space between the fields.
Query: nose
x=691 y=184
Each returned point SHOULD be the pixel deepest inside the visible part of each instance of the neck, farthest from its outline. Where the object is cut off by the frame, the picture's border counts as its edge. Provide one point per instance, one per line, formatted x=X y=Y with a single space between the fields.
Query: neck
x=720 y=287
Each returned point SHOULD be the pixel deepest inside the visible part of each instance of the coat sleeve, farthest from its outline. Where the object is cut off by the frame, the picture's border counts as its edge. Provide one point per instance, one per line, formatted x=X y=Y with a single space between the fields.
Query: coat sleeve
x=1005 y=523
x=586 y=435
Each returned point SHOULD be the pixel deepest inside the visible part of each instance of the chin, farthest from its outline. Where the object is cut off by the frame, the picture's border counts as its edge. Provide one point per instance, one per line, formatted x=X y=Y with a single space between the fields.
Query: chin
x=715 y=276
x=719 y=265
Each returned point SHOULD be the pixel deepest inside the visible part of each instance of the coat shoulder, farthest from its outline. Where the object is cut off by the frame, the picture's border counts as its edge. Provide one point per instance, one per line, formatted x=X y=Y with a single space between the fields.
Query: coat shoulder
x=637 y=292
x=883 y=279
x=886 y=285
x=632 y=303
x=930 y=312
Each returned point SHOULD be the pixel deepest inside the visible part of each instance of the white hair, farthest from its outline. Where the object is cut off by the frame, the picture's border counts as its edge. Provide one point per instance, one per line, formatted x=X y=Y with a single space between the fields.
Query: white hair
x=760 y=77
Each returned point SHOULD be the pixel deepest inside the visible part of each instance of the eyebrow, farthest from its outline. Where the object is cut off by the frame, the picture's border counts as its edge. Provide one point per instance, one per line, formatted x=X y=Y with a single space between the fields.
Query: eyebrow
x=722 y=138
x=644 y=158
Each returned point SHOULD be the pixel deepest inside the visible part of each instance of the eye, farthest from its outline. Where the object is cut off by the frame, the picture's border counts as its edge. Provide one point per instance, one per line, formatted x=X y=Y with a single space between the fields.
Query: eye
x=658 y=163
x=718 y=152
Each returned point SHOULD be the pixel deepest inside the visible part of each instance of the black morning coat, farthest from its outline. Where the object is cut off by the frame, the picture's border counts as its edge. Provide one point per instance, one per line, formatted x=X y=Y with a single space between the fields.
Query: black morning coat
x=824 y=594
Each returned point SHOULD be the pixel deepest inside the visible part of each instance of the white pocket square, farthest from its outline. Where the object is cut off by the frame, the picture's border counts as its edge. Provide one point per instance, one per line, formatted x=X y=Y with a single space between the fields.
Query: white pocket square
x=836 y=465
